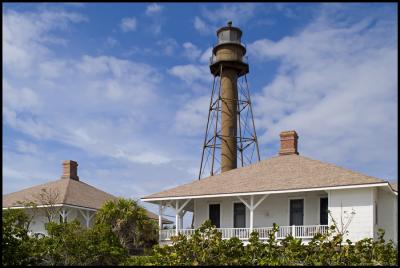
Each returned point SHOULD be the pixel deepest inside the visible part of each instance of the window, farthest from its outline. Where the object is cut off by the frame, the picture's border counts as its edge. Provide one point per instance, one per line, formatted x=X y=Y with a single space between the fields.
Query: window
x=214 y=214
x=239 y=215
x=376 y=212
x=296 y=211
x=323 y=211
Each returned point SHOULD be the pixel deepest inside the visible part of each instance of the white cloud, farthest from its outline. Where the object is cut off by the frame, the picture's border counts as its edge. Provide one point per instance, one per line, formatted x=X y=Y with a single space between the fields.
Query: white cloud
x=19 y=99
x=201 y=26
x=154 y=12
x=111 y=42
x=237 y=13
x=213 y=19
x=168 y=46
x=205 y=57
x=336 y=84
x=191 y=119
x=25 y=37
x=191 y=73
x=33 y=169
x=26 y=147
x=128 y=24
x=153 y=9
x=149 y=157
x=82 y=102
x=155 y=28
x=52 y=68
x=191 y=51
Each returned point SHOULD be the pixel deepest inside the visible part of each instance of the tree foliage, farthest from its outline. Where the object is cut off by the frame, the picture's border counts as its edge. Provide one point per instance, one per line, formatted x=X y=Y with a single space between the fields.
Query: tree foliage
x=206 y=247
x=16 y=244
x=71 y=244
x=108 y=242
x=130 y=223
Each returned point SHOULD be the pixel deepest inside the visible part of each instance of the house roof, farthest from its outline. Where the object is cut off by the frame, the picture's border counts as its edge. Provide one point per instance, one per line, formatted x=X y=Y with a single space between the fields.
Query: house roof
x=66 y=192
x=394 y=186
x=283 y=172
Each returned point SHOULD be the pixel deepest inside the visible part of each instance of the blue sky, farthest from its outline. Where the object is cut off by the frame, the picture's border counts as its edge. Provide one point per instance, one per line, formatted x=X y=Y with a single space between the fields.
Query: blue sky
x=124 y=88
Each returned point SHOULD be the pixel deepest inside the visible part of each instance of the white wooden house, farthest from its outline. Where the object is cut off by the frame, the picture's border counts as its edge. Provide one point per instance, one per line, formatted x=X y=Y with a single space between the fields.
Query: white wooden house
x=291 y=190
x=69 y=197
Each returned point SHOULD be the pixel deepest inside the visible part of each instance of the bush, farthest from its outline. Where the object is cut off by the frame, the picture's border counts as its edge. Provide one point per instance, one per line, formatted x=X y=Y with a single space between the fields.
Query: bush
x=70 y=244
x=206 y=247
x=17 y=246
x=121 y=228
x=139 y=261
x=129 y=222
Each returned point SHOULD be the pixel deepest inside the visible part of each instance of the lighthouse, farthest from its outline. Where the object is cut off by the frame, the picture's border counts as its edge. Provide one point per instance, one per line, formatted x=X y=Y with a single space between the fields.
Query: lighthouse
x=227 y=128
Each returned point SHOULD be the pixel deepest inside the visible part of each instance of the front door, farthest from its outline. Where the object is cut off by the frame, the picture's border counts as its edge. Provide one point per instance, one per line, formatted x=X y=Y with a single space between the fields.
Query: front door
x=214 y=214
x=239 y=215
x=296 y=211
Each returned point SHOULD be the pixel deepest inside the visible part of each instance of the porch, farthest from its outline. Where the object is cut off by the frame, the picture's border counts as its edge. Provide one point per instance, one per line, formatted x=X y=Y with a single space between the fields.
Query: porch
x=301 y=215
x=304 y=232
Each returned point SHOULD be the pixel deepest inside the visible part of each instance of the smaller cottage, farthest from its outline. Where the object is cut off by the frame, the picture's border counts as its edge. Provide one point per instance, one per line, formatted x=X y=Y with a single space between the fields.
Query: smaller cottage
x=63 y=200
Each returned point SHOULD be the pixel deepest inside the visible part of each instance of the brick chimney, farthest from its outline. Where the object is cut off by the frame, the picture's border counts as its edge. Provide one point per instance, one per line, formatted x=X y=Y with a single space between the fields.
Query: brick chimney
x=70 y=170
x=288 y=143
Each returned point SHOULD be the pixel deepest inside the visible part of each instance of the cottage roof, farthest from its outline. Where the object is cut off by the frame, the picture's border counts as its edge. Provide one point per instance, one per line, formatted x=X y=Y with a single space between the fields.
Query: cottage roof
x=283 y=172
x=67 y=192
x=394 y=186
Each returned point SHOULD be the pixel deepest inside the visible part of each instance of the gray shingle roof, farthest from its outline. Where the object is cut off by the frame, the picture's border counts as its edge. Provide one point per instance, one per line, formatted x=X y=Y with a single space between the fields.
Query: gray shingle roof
x=285 y=172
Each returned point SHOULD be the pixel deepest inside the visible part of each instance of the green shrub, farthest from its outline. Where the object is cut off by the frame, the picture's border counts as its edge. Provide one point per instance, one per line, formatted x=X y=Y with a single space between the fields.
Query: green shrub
x=70 y=244
x=139 y=261
x=206 y=247
x=17 y=247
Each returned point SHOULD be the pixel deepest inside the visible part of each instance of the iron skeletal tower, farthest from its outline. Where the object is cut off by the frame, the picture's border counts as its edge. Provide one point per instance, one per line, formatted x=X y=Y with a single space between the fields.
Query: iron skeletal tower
x=230 y=125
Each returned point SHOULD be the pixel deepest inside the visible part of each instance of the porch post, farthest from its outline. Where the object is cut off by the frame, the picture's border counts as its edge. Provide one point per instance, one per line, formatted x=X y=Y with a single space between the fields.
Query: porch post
x=87 y=218
x=396 y=221
x=160 y=211
x=181 y=219
x=251 y=212
x=176 y=217
x=177 y=213
x=252 y=207
x=64 y=214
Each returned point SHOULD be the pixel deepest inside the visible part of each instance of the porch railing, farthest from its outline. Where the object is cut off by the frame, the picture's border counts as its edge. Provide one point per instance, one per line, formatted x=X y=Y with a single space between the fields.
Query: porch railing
x=304 y=231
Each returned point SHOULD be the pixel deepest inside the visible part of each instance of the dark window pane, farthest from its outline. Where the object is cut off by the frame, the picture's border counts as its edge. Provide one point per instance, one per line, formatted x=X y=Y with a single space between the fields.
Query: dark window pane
x=323 y=212
x=296 y=211
x=214 y=214
x=239 y=215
